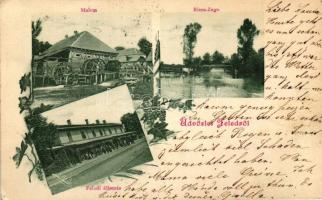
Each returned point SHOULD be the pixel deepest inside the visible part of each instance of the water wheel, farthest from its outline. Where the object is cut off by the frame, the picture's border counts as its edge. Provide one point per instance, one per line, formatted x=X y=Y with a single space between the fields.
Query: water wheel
x=58 y=73
x=94 y=69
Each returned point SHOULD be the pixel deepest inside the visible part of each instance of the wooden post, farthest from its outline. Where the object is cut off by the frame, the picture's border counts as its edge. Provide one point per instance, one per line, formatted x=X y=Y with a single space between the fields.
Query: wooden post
x=66 y=156
x=78 y=156
x=43 y=80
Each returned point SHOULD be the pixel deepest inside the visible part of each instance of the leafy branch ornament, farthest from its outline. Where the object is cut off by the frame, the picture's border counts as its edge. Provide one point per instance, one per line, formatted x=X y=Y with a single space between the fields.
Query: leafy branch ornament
x=154 y=114
x=27 y=141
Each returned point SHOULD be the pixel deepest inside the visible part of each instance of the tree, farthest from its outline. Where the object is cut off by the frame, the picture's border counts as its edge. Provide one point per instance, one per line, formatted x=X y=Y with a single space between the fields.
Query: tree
x=43 y=137
x=254 y=66
x=35 y=32
x=206 y=59
x=113 y=66
x=260 y=67
x=131 y=122
x=248 y=57
x=226 y=60
x=217 y=58
x=39 y=46
x=190 y=40
x=245 y=35
x=36 y=29
x=235 y=63
x=145 y=46
x=197 y=62
x=119 y=48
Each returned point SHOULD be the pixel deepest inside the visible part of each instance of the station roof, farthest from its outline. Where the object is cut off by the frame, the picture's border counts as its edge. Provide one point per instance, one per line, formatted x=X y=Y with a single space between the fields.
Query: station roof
x=109 y=105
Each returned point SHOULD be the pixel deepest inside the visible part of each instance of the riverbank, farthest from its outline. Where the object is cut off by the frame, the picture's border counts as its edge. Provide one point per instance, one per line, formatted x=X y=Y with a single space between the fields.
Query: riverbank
x=213 y=84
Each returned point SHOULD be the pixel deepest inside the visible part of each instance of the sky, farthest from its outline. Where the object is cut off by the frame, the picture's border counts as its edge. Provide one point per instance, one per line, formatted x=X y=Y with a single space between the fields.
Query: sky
x=114 y=29
x=218 y=32
x=110 y=105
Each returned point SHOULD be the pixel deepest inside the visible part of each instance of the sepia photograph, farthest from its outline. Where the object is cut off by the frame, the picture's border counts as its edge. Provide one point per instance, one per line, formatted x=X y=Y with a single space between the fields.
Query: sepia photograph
x=89 y=139
x=90 y=54
x=212 y=55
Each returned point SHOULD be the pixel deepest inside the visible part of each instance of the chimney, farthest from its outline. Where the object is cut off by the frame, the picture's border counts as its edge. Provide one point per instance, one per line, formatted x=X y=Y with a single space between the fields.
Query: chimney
x=97 y=121
x=75 y=32
x=69 y=122
x=104 y=121
x=86 y=120
x=66 y=36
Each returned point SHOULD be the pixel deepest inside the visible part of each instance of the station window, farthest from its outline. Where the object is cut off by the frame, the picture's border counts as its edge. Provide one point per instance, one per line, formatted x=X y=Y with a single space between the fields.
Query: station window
x=77 y=54
x=94 y=134
x=69 y=135
x=83 y=135
x=101 y=132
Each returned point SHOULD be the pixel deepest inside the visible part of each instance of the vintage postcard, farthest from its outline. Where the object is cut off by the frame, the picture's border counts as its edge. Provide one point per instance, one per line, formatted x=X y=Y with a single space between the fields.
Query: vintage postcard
x=161 y=100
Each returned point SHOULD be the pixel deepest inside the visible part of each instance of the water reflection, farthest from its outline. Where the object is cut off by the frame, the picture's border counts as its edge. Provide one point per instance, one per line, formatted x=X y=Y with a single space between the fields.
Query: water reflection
x=215 y=83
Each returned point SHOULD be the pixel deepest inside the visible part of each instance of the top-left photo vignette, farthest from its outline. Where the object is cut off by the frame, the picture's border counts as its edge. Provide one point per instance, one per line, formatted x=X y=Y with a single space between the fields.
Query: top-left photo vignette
x=75 y=56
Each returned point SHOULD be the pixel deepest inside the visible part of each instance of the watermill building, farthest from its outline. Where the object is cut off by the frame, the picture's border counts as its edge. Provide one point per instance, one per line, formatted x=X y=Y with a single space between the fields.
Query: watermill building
x=77 y=59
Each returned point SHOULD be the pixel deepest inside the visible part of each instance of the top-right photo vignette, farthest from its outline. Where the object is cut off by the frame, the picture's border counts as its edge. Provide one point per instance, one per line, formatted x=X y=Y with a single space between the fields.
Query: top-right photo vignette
x=212 y=53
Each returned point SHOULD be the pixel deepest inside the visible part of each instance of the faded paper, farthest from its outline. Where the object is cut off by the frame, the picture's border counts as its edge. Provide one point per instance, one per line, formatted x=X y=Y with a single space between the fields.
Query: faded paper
x=278 y=156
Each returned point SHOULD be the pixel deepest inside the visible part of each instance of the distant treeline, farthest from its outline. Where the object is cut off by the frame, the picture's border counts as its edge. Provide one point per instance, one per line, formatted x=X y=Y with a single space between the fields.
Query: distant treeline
x=246 y=63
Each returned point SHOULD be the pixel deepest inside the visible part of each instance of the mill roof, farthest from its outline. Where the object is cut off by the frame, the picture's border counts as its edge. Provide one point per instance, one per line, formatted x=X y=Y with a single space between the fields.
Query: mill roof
x=82 y=40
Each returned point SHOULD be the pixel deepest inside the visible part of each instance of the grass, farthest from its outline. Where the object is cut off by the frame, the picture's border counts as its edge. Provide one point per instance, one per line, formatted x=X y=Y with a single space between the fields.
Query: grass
x=61 y=96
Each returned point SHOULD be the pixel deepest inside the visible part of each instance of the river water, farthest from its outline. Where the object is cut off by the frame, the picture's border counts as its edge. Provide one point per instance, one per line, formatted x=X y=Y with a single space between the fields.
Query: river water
x=215 y=83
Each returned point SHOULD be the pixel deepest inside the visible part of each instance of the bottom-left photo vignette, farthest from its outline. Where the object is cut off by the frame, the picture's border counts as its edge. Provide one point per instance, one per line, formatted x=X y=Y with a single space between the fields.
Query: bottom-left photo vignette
x=89 y=139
